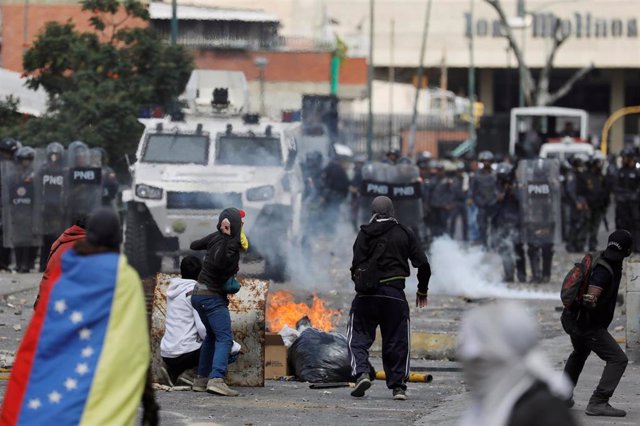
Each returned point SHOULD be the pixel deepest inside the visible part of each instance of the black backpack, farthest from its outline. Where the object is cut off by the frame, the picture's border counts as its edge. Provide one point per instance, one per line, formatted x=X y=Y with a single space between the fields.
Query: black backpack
x=367 y=275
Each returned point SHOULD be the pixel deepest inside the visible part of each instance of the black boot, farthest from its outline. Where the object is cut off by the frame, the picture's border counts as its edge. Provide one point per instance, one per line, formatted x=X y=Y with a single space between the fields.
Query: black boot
x=603 y=409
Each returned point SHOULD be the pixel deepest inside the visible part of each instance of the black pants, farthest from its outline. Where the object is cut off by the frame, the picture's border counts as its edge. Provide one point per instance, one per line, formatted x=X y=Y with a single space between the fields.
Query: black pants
x=388 y=308
x=605 y=346
x=25 y=258
x=182 y=363
x=540 y=259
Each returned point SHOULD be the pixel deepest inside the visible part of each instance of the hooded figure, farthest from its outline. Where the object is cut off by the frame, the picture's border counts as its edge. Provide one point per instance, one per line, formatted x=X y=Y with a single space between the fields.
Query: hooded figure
x=210 y=300
x=223 y=252
x=384 y=245
x=511 y=382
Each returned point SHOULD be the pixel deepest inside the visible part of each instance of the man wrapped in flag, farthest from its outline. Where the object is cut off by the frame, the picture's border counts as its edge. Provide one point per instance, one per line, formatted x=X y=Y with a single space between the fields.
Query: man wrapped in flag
x=85 y=355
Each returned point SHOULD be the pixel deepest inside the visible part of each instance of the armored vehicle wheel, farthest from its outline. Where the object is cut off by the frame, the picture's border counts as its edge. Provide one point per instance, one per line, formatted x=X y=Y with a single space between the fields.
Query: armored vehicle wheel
x=137 y=247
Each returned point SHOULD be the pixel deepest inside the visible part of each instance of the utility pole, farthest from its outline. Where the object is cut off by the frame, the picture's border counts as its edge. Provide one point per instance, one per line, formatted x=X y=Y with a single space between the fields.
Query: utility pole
x=370 y=85
x=174 y=22
x=423 y=48
x=392 y=79
x=472 y=80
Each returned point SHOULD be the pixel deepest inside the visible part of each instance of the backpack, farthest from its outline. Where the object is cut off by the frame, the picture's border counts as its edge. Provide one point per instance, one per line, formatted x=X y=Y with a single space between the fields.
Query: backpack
x=576 y=282
x=367 y=275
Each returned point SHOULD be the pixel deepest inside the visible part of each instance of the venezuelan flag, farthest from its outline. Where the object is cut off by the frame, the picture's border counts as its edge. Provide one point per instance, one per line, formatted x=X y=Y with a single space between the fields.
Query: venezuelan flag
x=84 y=357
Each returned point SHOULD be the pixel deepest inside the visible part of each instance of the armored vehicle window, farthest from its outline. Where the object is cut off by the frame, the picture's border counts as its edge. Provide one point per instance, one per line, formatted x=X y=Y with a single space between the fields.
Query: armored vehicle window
x=176 y=148
x=248 y=151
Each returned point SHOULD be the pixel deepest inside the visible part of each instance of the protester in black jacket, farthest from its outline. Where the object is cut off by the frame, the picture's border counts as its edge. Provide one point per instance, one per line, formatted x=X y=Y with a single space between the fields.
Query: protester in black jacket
x=210 y=300
x=588 y=327
x=386 y=306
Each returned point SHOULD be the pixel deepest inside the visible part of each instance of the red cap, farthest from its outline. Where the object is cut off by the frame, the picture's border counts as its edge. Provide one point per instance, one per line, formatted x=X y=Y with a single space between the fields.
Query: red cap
x=242 y=213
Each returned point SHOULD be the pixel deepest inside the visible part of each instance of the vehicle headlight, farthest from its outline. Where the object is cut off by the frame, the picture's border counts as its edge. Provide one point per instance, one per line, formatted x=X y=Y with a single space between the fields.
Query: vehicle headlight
x=261 y=193
x=149 y=192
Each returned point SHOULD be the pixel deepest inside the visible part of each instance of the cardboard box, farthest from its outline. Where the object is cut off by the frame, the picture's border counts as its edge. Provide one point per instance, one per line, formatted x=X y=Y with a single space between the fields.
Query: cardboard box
x=275 y=356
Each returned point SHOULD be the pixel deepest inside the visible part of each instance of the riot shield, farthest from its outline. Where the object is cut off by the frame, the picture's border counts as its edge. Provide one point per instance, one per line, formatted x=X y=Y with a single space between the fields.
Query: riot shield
x=539 y=189
x=398 y=182
x=50 y=179
x=21 y=219
x=83 y=185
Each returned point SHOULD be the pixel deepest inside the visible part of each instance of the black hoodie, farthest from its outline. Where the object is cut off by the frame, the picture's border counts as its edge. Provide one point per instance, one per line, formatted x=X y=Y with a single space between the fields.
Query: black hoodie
x=402 y=246
x=223 y=252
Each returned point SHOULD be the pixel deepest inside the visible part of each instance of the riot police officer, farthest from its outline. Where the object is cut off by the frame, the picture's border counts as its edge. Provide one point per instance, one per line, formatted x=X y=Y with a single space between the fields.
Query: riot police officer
x=355 y=187
x=627 y=195
x=50 y=185
x=428 y=176
x=482 y=193
x=506 y=222
x=597 y=197
x=577 y=192
x=539 y=188
x=8 y=149
x=109 y=180
x=22 y=215
x=84 y=184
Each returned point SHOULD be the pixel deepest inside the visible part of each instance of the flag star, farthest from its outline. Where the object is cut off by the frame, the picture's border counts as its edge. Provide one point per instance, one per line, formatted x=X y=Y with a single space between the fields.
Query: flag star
x=34 y=404
x=60 y=306
x=87 y=352
x=85 y=334
x=82 y=368
x=55 y=397
x=76 y=317
x=70 y=384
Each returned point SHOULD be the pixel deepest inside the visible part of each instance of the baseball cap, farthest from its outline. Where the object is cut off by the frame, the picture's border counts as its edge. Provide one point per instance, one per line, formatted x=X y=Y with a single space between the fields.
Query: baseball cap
x=619 y=245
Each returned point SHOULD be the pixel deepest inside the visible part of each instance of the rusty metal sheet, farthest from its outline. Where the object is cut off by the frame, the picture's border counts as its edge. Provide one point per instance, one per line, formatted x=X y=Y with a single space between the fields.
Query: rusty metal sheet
x=247 y=309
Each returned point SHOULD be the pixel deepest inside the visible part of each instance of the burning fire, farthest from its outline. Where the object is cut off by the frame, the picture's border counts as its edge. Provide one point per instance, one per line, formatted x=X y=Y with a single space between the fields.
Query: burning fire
x=283 y=310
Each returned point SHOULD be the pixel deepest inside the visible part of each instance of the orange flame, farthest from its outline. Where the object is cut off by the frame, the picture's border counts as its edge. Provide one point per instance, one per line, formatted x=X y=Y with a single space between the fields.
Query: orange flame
x=283 y=310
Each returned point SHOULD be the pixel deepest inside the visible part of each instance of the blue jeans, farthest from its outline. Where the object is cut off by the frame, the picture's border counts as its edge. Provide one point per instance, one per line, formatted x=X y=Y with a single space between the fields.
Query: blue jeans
x=215 y=350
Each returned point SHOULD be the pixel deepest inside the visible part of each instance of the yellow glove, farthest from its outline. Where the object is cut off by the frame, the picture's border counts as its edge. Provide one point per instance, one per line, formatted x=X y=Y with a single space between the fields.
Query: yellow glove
x=244 y=242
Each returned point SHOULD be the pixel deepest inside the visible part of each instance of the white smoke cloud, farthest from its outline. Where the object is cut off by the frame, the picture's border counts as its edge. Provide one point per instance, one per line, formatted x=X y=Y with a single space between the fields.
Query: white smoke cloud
x=471 y=272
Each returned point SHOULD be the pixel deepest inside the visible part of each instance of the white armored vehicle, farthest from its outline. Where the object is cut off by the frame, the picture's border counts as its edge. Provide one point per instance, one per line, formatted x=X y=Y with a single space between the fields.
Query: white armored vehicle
x=187 y=172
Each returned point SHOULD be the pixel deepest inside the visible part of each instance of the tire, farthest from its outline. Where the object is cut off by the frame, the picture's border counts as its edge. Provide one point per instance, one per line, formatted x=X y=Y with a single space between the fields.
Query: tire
x=137 y=247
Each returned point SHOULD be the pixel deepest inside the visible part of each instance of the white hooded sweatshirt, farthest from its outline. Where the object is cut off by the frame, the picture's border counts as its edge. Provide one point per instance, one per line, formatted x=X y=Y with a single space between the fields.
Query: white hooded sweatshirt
x=184 y=331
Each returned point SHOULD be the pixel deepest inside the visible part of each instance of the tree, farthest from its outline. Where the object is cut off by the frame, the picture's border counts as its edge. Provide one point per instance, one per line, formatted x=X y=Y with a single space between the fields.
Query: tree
x=99 y=81
x=539 y=93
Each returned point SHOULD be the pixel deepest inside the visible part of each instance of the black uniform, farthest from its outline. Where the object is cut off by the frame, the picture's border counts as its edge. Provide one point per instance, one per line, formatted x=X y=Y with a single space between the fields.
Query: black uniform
x=506 y=222
x=577 y=191
x=336 y=188
x=588 y=331
x=387 y=307
x=627 y=196
x=598 y=202
x=483 y=193
x=444 y=196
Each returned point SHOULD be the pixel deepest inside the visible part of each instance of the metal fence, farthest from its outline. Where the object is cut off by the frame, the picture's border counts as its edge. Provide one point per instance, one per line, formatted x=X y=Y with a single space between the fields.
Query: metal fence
x=433 y=133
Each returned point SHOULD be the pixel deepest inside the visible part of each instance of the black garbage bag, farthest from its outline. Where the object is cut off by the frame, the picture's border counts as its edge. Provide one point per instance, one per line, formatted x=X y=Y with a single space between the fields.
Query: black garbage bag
x=320 y=357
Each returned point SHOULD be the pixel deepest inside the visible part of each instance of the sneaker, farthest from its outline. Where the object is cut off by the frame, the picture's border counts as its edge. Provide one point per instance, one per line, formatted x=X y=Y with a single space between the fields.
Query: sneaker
x=199 y=384
x=399 y=394
x=163 y=375
x=603 y=409
x=186 y=378
x=219 y=387
x=362 y=385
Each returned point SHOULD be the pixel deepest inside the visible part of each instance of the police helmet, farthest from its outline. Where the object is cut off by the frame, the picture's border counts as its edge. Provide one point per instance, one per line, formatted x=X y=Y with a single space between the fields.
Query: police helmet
x=405 y=160
x=96 y=157
x=9 y=146
x=598 y=156
x=424 y=156
x=628 y=151
x=55 y=148
x=26 y=153
x=485 y=156
x=503 y=171
x=314 y=158
x=579 y=158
